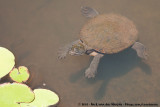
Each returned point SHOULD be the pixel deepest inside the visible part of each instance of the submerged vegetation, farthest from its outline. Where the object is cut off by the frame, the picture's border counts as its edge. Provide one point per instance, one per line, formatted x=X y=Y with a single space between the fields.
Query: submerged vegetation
x=18 y=94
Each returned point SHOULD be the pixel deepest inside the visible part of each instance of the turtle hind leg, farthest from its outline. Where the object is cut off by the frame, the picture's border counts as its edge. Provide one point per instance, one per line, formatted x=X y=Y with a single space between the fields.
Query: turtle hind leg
x=140 y=49
x=88 y=12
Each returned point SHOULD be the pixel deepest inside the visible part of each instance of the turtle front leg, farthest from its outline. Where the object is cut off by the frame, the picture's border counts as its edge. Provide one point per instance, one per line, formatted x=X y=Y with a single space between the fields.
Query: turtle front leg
x=140 y=49
x=91 y=71
x=62 y=53
x=88 y=12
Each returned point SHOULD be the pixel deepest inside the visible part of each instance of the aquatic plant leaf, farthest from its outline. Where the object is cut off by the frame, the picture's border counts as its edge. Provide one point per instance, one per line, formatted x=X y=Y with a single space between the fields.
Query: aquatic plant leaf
x=9 y=105
x=19 y=75
x=7 y=61
x=43 y=98
x=13 y=93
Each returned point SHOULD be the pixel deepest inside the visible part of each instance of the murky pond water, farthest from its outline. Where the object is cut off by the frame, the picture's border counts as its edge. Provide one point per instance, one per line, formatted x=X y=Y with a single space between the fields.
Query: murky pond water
x=34 y=30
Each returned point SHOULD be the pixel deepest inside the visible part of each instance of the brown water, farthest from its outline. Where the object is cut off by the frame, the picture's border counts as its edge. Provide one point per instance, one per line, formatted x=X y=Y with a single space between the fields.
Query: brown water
x=34 y=30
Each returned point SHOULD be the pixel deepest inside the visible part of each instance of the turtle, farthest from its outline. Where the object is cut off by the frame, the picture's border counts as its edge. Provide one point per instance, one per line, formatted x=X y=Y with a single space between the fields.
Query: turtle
x=104 y=34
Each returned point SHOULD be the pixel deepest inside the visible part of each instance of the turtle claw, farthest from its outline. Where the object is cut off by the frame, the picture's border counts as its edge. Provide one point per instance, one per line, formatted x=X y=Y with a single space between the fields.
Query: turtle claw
x=61 y=54
x=89 y=73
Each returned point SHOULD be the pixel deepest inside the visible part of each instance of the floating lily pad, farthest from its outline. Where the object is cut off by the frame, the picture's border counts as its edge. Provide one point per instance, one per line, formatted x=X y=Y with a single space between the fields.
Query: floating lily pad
x=13 y=94
x=19 y=75
x=43 y=98
x=7 y=61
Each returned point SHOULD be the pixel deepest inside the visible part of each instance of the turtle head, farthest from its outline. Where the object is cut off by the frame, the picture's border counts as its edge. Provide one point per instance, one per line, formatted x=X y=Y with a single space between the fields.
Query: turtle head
x=77 y=49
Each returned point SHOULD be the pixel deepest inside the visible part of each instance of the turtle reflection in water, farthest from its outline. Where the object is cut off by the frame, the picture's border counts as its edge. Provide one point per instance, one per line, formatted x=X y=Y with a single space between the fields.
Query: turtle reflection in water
x=104 y=34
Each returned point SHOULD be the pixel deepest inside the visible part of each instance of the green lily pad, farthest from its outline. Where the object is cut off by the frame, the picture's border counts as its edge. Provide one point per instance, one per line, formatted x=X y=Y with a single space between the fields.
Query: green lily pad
x=19 y=75
x=43 y=98
x=7 y=61
x=13 y=94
